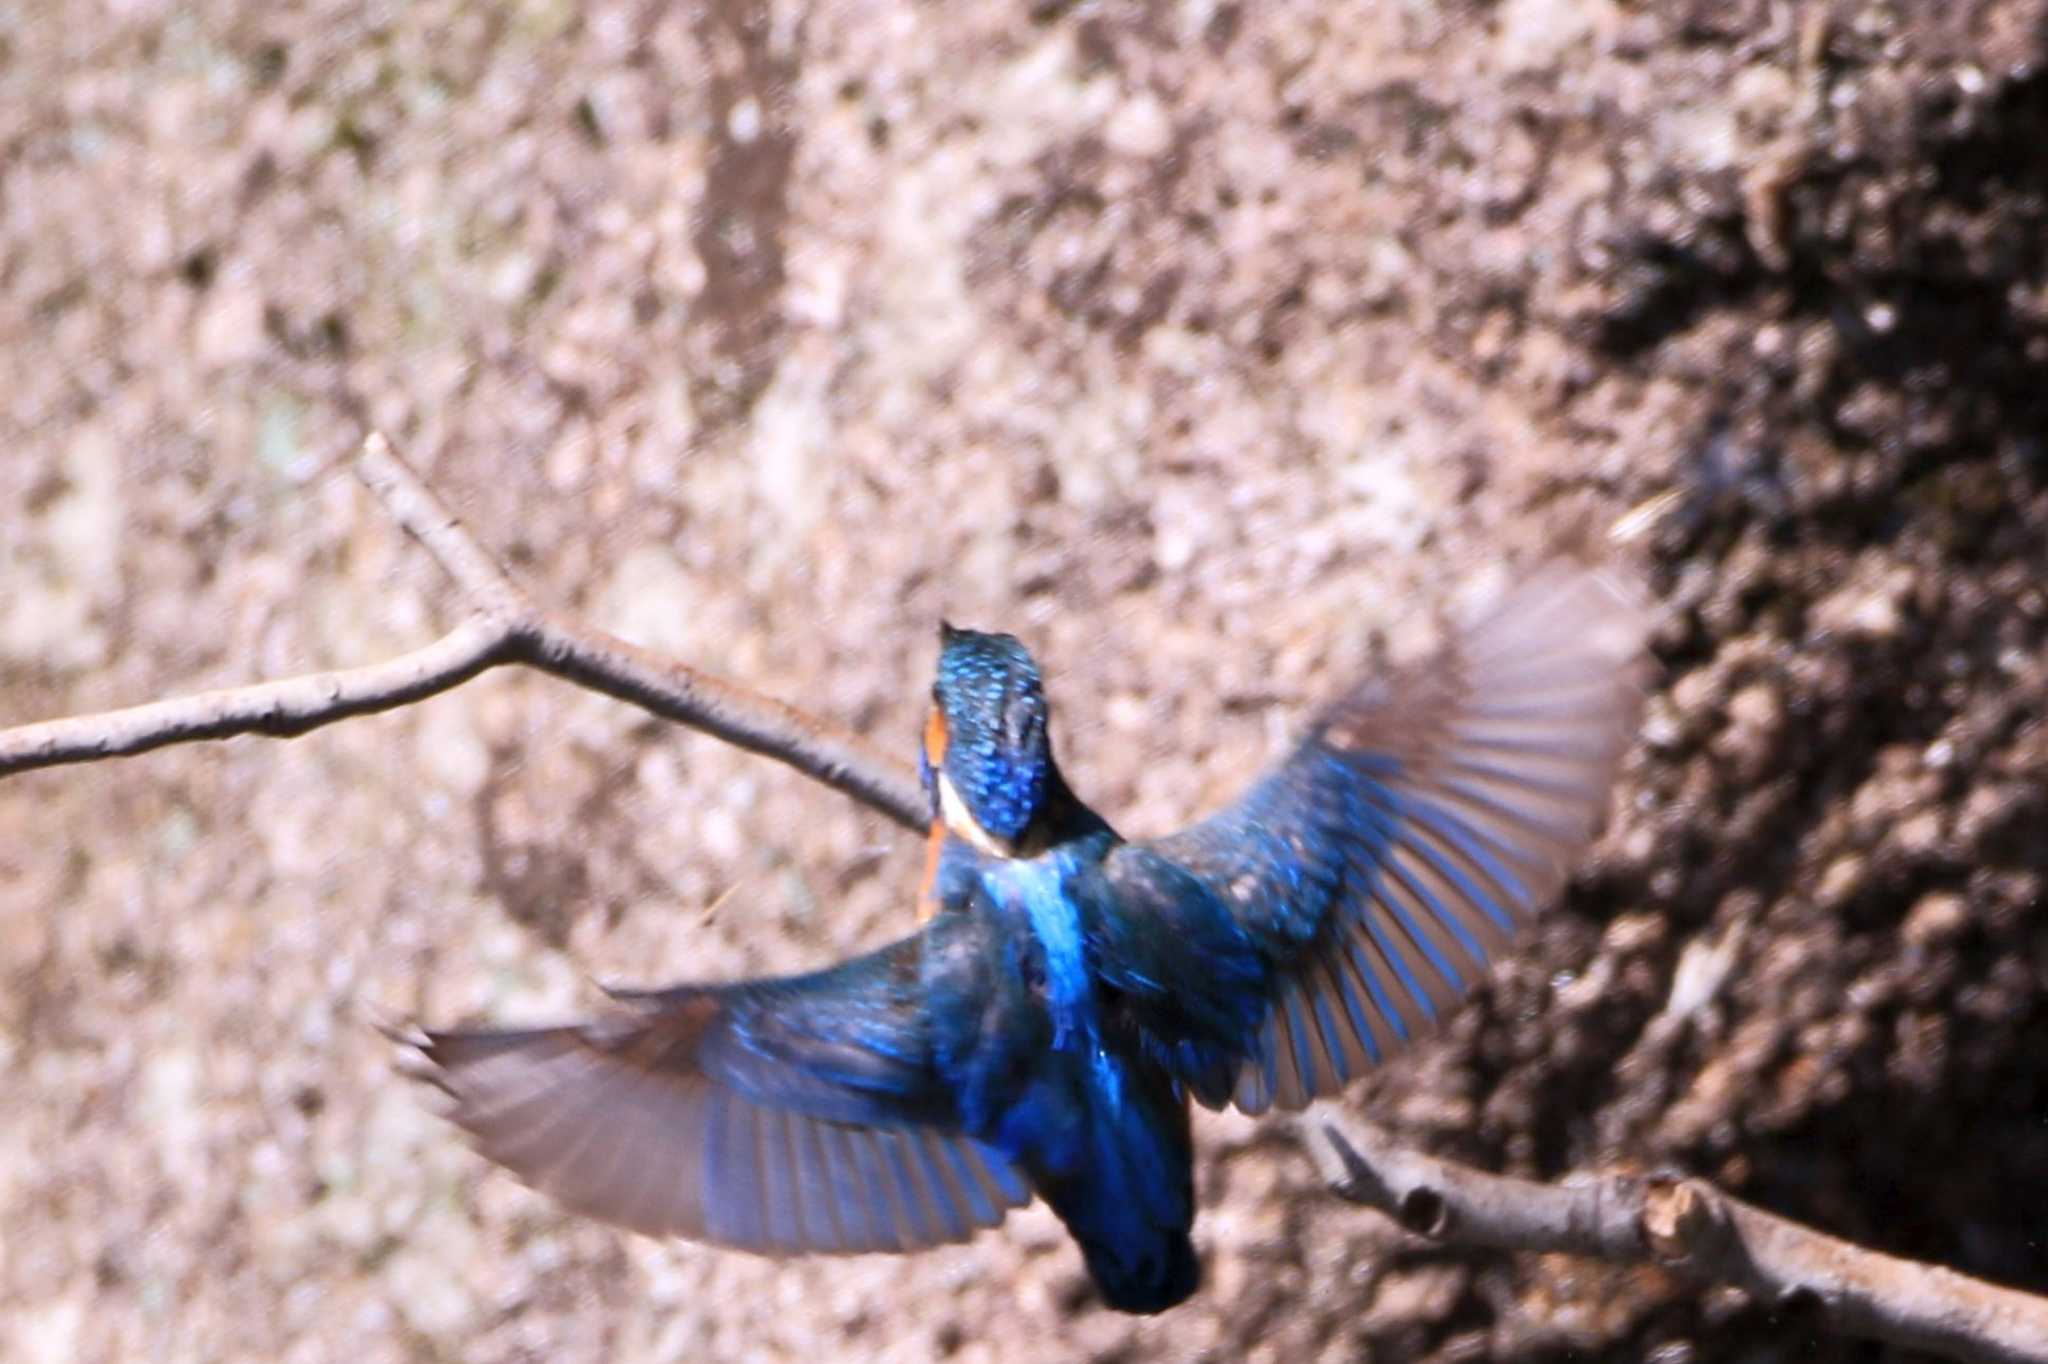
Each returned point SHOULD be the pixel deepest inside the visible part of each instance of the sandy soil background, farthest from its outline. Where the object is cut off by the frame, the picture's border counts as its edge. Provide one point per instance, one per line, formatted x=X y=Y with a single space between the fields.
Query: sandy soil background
x=1193 y=342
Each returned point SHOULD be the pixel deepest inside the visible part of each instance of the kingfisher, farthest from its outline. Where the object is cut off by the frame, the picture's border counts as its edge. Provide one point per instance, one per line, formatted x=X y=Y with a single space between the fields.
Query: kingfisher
x=1069 y=991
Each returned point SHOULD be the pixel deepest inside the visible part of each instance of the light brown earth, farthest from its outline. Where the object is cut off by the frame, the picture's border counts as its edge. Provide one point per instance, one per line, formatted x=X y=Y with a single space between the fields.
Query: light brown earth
x=1193 y=342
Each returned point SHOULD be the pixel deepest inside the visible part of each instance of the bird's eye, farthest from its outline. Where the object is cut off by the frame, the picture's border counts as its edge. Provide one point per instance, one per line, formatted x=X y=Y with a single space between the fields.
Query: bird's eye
x=1020 y=720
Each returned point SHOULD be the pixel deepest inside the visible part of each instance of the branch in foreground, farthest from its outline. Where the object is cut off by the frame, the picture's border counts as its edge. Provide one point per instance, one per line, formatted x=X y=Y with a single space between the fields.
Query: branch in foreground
x=504 y=626
x=1692 y=1228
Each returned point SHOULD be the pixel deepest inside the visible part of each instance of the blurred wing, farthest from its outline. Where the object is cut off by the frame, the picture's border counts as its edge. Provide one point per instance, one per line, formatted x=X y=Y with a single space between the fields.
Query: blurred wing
x=1426 y=815
x=777 y=1116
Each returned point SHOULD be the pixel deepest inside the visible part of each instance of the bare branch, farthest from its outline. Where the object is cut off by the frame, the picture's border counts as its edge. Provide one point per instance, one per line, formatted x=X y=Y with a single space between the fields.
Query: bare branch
x=279 y=709
x=504 y=626
x=1690 y=1227
x=818 y=749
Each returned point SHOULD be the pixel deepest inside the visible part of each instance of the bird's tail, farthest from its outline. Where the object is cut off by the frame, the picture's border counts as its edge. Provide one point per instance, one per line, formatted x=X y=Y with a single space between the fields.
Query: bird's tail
x=1162 y=1274
x=1129 y=1199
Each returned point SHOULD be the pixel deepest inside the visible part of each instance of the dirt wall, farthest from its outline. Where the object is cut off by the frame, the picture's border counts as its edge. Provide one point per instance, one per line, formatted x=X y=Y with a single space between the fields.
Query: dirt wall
x=1193 y=343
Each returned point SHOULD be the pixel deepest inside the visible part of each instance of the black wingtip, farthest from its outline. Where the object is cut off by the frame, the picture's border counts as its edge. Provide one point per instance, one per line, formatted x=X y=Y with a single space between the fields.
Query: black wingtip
x=418 y=1058
x=402 y=1034
x=402 y=1029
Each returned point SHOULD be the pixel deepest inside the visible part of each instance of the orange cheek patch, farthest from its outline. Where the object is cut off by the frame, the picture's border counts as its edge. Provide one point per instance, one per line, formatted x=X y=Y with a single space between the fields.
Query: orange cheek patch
x=935 y=737
x=928 y=886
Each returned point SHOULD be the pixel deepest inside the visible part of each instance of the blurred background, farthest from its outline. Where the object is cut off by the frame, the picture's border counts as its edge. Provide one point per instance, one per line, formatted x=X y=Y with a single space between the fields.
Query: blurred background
x=1195 y=343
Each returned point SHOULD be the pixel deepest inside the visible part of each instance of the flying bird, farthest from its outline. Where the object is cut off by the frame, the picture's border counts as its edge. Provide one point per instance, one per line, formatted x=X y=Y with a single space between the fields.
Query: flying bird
x=1069 y=991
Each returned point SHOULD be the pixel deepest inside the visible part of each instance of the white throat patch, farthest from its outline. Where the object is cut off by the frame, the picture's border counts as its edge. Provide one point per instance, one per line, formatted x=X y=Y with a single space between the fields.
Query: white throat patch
x=961 y=821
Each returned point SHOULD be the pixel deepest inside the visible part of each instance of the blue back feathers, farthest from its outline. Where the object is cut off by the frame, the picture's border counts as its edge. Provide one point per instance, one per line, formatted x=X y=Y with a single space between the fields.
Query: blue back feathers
x=1101 y=1130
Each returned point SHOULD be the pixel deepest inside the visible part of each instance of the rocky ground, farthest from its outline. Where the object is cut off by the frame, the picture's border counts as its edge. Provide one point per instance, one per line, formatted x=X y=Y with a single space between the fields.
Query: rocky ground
x=1193 y=342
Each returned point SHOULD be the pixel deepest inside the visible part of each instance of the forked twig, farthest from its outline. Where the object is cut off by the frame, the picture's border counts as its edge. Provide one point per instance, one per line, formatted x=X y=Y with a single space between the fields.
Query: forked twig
x=504 y=625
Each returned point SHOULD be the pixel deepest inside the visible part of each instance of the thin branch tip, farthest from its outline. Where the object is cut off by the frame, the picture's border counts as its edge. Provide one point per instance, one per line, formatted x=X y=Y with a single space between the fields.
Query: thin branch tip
x=415 y=507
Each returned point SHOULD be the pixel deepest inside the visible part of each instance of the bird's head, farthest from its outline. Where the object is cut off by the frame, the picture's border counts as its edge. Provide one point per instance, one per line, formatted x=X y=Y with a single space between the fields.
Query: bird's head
x=986 y=761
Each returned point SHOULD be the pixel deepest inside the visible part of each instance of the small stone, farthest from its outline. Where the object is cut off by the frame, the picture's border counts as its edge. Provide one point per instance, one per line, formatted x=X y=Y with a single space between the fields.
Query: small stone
x=1424 y=1294
x=1937 y=918
x=1698 y=690
x=649 y=602
x=1749 y=743
x=1918 y=834
x=1870 y=605
x=450 y=749
x=230 y=328
x=1842 y=879
x=1139 y=127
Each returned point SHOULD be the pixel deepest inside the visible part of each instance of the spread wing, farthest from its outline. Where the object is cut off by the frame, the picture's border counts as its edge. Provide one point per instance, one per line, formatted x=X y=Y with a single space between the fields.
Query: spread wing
x=1426 y=815
x=801 y=1114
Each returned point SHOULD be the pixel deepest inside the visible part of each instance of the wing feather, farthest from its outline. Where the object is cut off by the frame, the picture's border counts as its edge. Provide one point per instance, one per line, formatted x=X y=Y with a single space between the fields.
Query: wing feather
x=777 y=1116
x=1424 y=819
